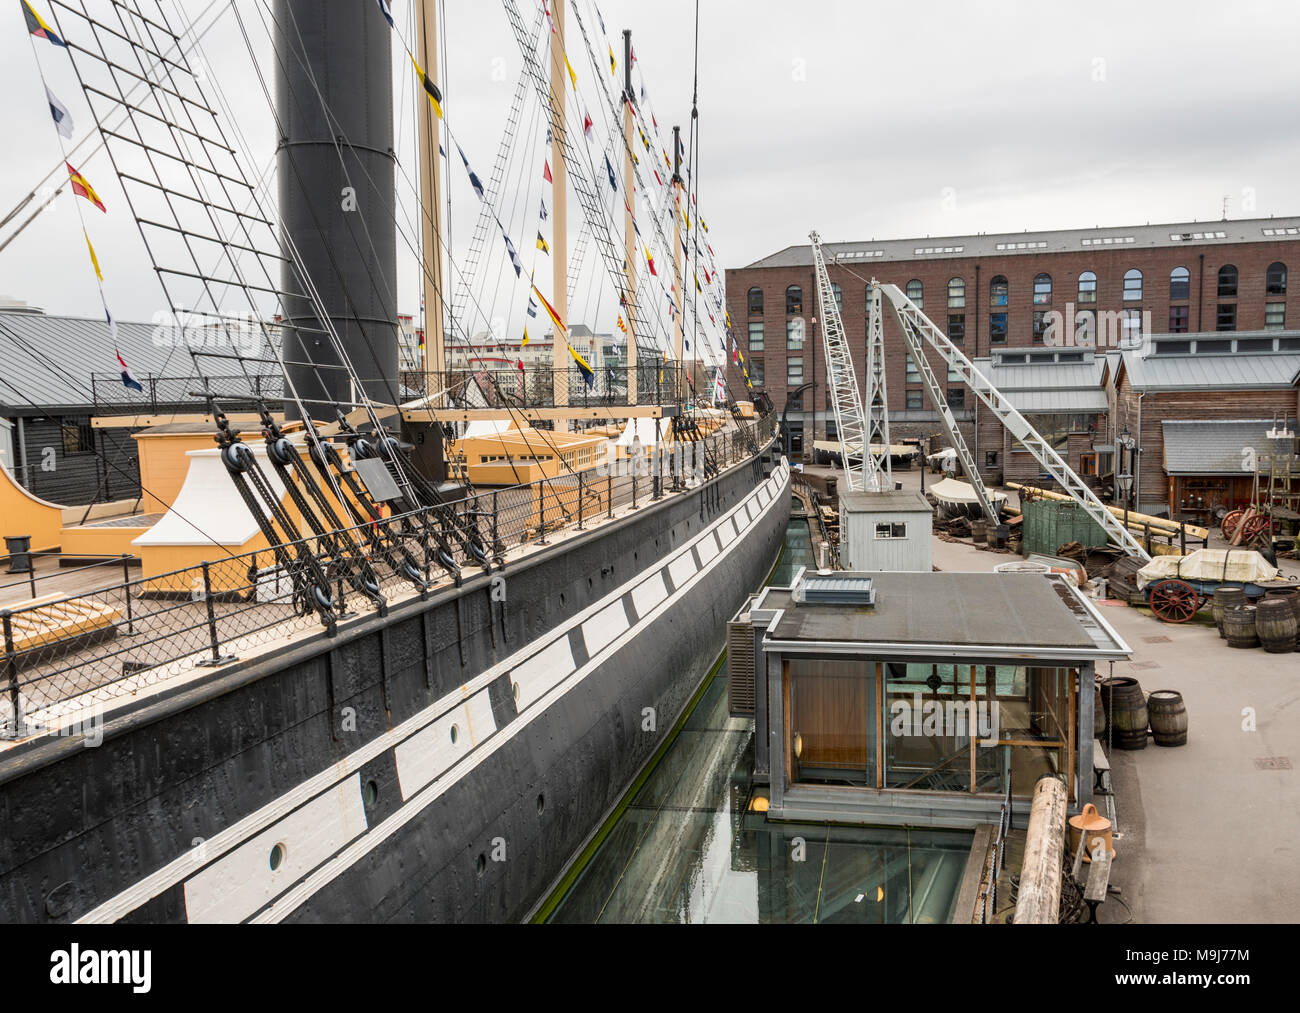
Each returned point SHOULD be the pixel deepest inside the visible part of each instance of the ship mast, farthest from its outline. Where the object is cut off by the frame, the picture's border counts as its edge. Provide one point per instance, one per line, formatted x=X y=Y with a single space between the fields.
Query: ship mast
x=559 y=213
x=629 y=230
x=680 y=295
x=435 y=344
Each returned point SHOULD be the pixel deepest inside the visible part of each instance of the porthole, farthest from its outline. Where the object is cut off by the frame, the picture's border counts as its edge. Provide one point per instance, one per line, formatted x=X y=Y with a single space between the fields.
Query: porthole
x=370 y=793
x=455 y=733
x=541 y=803
x=278 y=855
x=480 y=866
x=514 y=688
x=590 y=583
x=561 y=597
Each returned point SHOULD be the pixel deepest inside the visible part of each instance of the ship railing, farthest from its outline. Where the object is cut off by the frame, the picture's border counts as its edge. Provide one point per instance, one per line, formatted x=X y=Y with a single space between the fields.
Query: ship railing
x=508 y=387
x=70 y=651
x=110 y=396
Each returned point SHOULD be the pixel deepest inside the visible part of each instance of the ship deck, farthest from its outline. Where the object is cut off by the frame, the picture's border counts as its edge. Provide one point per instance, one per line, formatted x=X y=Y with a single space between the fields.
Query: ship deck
x=82 y=639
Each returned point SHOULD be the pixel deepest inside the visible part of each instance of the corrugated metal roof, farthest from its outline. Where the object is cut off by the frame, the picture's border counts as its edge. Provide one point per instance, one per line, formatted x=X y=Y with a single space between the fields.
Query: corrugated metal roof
x=1043 y=375
x=1249 y=230
x=1263 y=371
x=1058 y=400
x=48 y=360
x=1216 y=447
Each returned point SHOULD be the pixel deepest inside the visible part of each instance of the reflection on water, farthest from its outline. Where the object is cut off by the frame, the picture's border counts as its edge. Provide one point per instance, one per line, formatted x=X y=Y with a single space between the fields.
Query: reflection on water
x=798 y=552
x=687 y=850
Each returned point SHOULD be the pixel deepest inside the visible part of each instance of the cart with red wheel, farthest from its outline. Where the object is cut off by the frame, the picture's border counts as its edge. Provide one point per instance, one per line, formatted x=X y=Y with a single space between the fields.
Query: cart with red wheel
x=1183 y=589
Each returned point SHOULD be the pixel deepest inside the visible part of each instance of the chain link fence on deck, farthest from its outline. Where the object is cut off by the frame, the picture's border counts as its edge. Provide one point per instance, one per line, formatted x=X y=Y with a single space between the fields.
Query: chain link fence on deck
x=67 y=651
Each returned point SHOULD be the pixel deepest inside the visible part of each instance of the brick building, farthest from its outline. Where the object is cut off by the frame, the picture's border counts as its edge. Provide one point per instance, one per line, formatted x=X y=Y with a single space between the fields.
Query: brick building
x=993 y=294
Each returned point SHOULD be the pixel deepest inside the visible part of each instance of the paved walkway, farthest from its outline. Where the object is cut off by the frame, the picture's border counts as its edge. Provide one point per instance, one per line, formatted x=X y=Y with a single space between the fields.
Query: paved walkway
x=1209 y=831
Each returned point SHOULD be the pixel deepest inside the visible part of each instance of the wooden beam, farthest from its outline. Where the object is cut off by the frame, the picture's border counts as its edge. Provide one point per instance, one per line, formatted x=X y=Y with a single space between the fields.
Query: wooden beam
x=148 y=421
x=1039 y=899
x=538 y=414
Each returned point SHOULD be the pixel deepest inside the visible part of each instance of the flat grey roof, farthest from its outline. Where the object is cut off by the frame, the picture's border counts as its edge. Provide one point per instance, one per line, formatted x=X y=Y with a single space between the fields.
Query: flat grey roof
x=896 y=501
x=1213 y=371
x=954 y=615
x=1246 y=230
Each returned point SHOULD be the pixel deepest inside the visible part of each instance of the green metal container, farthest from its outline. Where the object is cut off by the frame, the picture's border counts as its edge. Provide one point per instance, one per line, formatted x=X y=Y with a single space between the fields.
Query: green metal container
x=1049 y=524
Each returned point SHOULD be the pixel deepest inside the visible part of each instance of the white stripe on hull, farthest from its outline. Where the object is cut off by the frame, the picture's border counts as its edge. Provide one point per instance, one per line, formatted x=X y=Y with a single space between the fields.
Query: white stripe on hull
x=324 y=809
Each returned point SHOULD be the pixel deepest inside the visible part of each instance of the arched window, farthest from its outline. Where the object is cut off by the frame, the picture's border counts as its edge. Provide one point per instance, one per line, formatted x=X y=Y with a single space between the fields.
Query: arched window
x=1133 y=285
x=956 y=293
x=1043 y=290
x=1180 y=283
x=998 y=291
x=1087 y=287
x=793 y=301
x=1227 y=282
x=839 y=296
x=1275 y=279
x=916 y=292
x=755 y=302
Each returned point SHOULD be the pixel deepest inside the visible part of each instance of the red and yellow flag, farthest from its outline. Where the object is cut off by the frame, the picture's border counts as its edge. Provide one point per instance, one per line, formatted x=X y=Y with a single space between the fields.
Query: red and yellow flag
x=550 y=310
x=82 y=188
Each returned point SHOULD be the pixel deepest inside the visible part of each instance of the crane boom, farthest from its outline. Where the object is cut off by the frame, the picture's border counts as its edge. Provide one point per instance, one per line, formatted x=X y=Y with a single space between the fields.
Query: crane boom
x=841 y=378
x=916 y=326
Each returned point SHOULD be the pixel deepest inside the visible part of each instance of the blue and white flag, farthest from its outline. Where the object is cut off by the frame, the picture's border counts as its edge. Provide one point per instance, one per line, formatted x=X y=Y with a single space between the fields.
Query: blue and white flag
x=385 y=8
x=474 y=181
x=545 y=213
x=62 y=118
x=610 y=170
x=514 y=255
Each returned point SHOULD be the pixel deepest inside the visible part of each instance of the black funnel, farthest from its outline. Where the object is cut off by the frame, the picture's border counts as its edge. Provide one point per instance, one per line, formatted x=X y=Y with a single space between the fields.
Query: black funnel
x=335 y=160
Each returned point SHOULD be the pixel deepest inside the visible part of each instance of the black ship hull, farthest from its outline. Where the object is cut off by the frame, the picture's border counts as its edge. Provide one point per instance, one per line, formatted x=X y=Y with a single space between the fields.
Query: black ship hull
x=444 y=763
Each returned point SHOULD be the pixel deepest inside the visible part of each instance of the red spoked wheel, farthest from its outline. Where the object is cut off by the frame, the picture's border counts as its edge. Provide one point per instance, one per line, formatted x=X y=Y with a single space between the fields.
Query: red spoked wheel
x=1261 y=525
x=1229 y=523
x=1174 y=601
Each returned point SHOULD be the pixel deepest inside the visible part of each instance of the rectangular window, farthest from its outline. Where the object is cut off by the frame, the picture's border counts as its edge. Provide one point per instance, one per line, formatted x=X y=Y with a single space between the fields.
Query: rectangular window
x=954 y=376
x=1274 y=316
x=914 y=400
x=956 y=398
x=1178 y=318
x=913 y=374
x=1042 y=318
x=794 y=372
x=832 y=430
x=1055 y=428
x=756 y=372
x=1226 y=318
x=756 y=337
x=885 y=529
x=793 y=301
x=78 y=436
x=998 y=328
x=794 y=335
x=957 y=327
x=990 y=458
x=1131 y=326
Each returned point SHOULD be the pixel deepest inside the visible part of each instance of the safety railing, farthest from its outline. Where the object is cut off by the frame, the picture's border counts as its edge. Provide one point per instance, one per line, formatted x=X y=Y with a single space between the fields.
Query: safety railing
x=92 y=646
x=604 y=386
x=110 y=396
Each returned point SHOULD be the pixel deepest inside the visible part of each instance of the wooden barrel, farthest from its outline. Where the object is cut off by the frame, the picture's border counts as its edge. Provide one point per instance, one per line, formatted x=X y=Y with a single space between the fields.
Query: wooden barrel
x=1275 y=625
x=1291 y=594
x=1126 y=712
x=1225 y=597
x=1239 y=626
x=979 y=530
x=1168 y=717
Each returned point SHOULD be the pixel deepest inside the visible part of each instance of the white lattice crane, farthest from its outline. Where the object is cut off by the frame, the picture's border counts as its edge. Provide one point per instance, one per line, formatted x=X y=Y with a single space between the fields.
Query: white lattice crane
x=842 y=382
x=917 y=327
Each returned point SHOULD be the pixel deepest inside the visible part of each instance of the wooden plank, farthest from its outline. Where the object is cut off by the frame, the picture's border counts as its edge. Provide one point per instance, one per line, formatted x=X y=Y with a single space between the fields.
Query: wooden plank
x=977 y=862
x=1099 y=761
x=538 y=414
x=1098 y=876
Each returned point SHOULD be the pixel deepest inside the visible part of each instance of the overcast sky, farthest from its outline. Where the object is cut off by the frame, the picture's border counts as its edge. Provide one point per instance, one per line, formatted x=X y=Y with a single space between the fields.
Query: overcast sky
x=863 y=120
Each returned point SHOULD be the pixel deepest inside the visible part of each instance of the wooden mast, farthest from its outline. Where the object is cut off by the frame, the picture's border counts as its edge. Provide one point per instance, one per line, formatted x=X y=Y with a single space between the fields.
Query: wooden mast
x=680 y=295
x=435 y=346
x=629 y=229
x=559 y=213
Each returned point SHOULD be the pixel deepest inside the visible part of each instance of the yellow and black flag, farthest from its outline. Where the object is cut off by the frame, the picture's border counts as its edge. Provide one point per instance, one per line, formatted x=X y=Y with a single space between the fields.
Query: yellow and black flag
x=541 y=244
x=435 y=96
